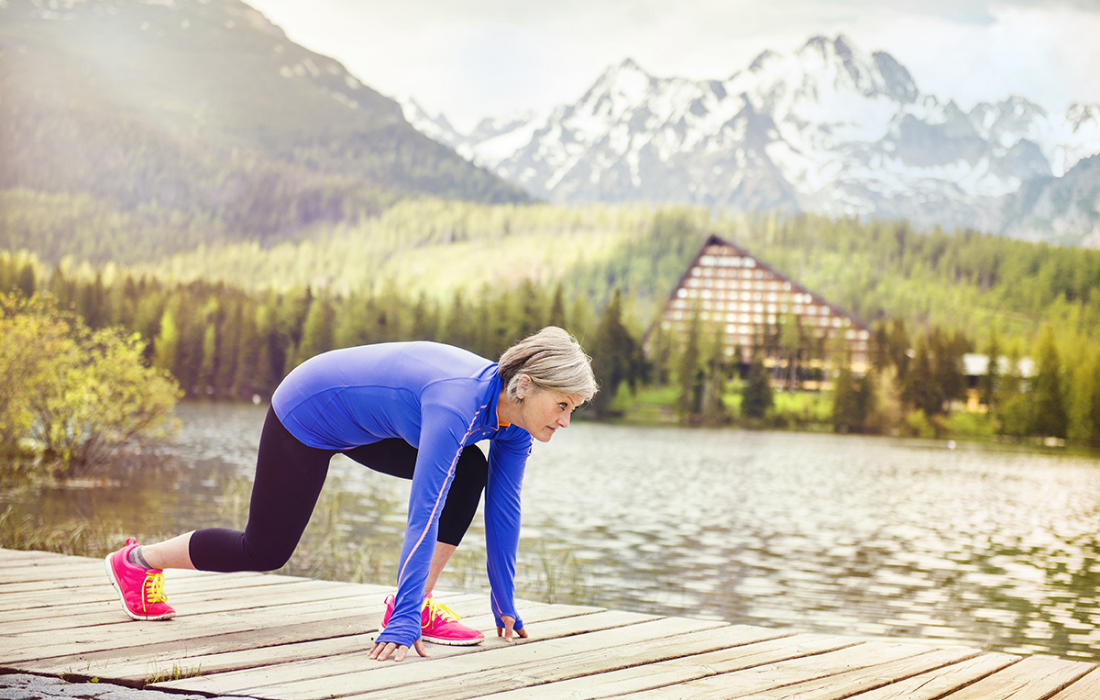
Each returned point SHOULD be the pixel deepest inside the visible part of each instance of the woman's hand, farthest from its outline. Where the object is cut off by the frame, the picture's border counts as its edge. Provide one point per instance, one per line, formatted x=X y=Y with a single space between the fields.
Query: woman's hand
x=382 y=650
x=507 y=631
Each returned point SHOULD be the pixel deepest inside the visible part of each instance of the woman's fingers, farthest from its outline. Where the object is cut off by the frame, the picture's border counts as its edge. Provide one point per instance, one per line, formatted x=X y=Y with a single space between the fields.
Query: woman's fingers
x=382 y=650
x=508 y=630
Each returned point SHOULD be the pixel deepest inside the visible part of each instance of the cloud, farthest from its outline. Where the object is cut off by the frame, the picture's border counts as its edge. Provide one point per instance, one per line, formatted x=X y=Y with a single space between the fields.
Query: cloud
x=473 y=58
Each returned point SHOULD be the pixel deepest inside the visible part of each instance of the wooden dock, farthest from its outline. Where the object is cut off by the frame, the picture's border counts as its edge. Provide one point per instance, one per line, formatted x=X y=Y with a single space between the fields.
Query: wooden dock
x=286 y=638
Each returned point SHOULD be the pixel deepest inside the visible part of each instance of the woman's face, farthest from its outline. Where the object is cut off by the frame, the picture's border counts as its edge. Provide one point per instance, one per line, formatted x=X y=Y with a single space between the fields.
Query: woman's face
x=542 y=413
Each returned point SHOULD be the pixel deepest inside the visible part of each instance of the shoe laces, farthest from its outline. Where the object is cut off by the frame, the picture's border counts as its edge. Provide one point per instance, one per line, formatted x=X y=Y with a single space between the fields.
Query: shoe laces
x=439 y=610
x=153 y=588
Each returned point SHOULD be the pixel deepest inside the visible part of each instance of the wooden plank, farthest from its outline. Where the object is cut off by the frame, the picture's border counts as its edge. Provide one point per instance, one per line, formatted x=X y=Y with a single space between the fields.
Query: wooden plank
x=195 y=602
x=1085 y=688
x=41 y=645
x=633 y=679
x=110 y=611
x=507 y=668
x=49 y=572
x=355 y=672
x=25 y=555
x=1033 y=678
x=347 y=663
x=628 y=653
x=222 y=659
x=787 y=673
x=104 y=663
x=934 y=685
x=848 y=683
x=26 y=605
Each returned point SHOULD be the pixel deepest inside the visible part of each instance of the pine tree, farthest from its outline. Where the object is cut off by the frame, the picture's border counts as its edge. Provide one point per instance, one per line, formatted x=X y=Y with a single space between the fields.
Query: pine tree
x=246 y=382
x=456 y=329
x=531 y=311
x=947 y=359
x=167 y=340
x=989 y=382
x=845 y=401
x=318 y=331
x=713 y=408
x=557 y=310
x=616 y=356
x=228 y=349
x=920 y=390
x=204 y=382
x=688 y=370
x=26 y=281
x=1049 y=416
x=757 y=398
x=1094 y=403
x=660 y=355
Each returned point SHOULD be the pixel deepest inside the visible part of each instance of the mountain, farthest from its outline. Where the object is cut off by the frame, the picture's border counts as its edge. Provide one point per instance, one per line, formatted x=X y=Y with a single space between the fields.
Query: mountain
x=828 y=129
x=1058 y=209
x=201 y=115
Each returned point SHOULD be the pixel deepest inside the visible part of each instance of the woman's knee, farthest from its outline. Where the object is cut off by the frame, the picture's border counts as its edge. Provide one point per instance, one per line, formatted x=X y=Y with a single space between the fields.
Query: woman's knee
x=268 y=556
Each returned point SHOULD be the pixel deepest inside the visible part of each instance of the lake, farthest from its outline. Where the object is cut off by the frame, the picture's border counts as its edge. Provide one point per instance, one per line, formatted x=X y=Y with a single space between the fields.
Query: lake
x=984 y=544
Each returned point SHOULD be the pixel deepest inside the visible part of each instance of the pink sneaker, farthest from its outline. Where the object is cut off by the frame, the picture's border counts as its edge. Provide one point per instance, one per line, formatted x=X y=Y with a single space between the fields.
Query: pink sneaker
x=141 y=590
x=439 y=624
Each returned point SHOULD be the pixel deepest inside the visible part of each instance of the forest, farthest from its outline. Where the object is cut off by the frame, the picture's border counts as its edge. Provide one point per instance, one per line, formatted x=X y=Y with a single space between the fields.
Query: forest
x=229 y=320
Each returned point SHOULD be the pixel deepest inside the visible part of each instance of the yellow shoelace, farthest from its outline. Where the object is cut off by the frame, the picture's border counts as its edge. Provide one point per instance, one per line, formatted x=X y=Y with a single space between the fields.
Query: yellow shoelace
x=154 y=589
x=435 y=608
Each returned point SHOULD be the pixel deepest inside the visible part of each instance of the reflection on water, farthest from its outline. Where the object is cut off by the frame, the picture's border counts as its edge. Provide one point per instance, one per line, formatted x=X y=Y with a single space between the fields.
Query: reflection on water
x=983 y=545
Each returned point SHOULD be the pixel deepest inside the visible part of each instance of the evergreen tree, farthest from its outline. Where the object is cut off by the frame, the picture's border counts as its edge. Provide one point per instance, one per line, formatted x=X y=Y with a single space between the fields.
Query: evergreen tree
x=167 y=340
x=92 y=304
x=688 y=370
x=989 y=382
x=1049 y=417
x=713 y=408
x=557 y=310
x=947 y=358
x=920 y=390
x=246 y=375
x=757 y=398
x=660 y=355
x=61 y=288
x=531 y=311
x=1094 y=403
x=204 y=382
x=425 y=320
x=899 y=346
x=228 y=347
x=456 y=329
x=318 y=330
x=26 y=281
x=846 y=407
x=616 y=356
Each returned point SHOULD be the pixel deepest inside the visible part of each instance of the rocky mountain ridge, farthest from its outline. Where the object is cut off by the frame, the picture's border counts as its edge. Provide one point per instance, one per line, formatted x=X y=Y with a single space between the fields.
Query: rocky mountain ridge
x=829 y=128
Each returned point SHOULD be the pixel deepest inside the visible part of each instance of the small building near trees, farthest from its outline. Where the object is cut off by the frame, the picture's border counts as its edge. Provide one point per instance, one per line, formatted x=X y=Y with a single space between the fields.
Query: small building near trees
x=753 y=309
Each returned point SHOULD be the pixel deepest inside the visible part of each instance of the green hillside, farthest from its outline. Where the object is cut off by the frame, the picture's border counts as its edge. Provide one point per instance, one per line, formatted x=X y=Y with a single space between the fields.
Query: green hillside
x=877 y=270
x=195 y=122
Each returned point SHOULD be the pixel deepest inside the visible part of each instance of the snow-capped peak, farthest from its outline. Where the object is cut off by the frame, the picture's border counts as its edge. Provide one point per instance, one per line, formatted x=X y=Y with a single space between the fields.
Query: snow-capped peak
x=828 y=128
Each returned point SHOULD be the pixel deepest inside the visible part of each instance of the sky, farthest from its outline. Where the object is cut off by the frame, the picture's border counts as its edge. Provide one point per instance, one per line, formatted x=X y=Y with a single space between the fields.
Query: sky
x=475 y=58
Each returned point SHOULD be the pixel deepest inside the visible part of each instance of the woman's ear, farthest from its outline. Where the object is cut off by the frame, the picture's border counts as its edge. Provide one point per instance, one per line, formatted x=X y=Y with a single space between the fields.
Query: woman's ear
x=523 y=386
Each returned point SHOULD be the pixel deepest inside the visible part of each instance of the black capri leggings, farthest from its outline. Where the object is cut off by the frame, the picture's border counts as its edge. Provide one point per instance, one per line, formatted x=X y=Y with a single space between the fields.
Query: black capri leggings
x=289 y=477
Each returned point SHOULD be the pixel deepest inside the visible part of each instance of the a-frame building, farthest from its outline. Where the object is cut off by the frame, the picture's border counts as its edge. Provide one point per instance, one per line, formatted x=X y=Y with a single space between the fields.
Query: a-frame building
x=750 y=300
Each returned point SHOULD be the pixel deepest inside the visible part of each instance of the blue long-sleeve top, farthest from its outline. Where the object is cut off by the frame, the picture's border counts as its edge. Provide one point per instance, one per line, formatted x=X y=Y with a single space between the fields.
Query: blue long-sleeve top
x=439 y=399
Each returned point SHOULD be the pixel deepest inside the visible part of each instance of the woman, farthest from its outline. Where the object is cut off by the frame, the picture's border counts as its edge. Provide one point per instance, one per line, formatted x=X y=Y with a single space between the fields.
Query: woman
x=414 y=410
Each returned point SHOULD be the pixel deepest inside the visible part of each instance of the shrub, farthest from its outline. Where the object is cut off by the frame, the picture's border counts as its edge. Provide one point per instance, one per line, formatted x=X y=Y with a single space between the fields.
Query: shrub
x=81 y=397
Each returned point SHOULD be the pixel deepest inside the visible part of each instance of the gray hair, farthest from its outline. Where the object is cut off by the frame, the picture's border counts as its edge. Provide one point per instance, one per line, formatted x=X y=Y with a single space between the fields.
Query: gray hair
x=554 y=361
